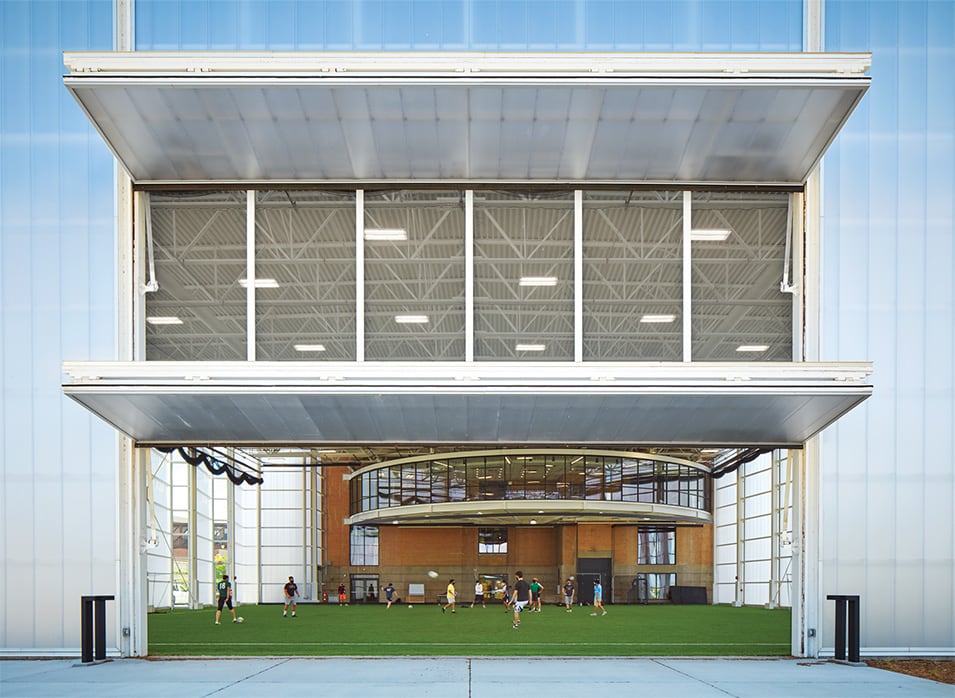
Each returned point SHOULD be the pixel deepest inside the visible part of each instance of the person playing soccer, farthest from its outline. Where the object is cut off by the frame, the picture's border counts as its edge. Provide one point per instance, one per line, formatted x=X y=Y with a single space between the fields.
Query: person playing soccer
x=520 y=597
x=569 y=594
x=451 y=598
x=536 y=589
x=291 y=597
x=478 y=594
x=390 y=594
x=224 y=588
x=342 y=599
x=598 y=598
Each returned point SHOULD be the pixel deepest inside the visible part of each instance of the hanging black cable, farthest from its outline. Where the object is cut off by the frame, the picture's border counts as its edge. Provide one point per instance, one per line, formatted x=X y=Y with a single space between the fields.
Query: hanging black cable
x=195 y=457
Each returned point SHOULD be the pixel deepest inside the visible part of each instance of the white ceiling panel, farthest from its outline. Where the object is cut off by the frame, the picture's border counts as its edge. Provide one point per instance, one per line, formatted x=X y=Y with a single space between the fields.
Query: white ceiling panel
x=162 y=403
x=643 y=118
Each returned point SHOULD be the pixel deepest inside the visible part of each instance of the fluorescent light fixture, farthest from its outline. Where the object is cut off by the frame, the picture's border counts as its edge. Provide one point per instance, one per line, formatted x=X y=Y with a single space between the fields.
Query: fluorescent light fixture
x=538 y=281
x=260 y=283
x=411 y=319
x=752 y=347
x=709 y=235
x=530 y=347
x=657 y=319
x=386 y=234
x=309 y=347
x=163 y=320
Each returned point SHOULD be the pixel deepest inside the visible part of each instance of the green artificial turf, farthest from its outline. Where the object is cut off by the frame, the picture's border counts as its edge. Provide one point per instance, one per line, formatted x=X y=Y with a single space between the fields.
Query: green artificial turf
x=330 y=630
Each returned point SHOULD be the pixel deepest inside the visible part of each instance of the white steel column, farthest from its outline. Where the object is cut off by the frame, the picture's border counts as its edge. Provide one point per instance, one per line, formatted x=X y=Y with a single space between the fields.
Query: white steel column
x=360 y=275
x=774 y=567
x=806 y=592
x=687 y=268
x=314 y=560
x=250 y=275
x=230 y=522
x=192 y=519
x=738 y=597
x=130 y=603
x=578 y=275
x=469 y=275
x=140 y=262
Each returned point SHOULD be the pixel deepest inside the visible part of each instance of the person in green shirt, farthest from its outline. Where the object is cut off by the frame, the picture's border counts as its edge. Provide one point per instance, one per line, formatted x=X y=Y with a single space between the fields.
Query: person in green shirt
x=225 y=598
x=536 y=588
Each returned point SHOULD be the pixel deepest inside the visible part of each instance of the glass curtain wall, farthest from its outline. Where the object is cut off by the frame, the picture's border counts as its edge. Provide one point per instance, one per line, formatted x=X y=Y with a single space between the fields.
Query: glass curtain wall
x=415 y=270
x=495 y=477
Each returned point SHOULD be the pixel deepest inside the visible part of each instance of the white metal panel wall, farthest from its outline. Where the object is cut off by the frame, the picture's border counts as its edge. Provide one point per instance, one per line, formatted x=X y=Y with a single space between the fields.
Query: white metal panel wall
x=58 y=509
x=888 y=257
x=159 y=528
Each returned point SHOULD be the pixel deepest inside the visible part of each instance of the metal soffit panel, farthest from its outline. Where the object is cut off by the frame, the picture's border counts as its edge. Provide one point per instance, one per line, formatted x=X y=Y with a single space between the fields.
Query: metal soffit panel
x=314 y=118
x=249 y=404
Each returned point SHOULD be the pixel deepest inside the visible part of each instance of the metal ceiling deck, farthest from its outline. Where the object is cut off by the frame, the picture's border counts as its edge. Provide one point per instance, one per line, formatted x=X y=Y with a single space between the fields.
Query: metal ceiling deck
x=659 y=119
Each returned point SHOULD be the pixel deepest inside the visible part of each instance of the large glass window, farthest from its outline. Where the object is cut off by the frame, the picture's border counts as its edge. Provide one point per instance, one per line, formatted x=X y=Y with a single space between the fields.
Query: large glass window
x=633 y=275
x=305 y=276
x=492 y=540
x=523 y=276
x=738 y=255
x=531 y=475
x=198 y=311
x=364 y=545
x=414 y=276
x=656 y=546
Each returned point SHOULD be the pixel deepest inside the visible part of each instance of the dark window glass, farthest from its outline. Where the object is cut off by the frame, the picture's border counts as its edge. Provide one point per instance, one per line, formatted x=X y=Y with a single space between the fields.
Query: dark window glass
x=492 y=540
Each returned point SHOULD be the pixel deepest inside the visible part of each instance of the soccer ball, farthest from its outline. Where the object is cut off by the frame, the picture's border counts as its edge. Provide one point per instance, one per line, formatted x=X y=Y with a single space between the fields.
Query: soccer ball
x=433 y=574
x=410 y=606
x=240 y=619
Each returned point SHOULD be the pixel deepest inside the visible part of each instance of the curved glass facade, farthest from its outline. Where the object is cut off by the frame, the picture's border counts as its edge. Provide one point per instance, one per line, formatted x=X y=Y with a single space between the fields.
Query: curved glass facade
x=549 y=474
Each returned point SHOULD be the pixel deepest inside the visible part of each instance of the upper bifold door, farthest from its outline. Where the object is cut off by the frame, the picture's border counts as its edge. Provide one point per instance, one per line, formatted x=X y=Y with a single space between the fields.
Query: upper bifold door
x=691 y=404
x=659 y=119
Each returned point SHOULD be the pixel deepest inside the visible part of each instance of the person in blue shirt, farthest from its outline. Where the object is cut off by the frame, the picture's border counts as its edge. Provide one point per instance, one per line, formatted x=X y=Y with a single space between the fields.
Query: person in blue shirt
x=598 y=598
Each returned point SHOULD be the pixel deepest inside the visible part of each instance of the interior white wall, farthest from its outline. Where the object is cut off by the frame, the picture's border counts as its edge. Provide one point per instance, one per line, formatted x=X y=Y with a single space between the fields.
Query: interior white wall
x=286 y=531
x=245 y=544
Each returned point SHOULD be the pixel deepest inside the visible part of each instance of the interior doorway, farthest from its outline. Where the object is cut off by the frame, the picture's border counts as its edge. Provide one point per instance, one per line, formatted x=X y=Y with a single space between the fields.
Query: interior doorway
x=364 y=588
x=589 y=570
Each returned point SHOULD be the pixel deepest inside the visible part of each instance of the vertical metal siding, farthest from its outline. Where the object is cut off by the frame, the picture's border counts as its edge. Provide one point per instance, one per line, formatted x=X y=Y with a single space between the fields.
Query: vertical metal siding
x=888 y=293
x=57 y=300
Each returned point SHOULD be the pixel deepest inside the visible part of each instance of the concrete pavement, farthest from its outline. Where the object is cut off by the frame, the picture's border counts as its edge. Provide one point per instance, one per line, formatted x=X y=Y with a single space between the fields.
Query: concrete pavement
x=460 y=677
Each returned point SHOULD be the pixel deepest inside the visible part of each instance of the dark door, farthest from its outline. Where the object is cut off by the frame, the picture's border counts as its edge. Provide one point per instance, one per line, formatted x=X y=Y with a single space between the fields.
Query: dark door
x=589 y=569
